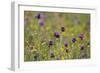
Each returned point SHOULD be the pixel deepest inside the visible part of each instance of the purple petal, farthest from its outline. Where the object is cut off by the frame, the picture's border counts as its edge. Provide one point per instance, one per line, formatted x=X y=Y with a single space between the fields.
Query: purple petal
x=57 y=34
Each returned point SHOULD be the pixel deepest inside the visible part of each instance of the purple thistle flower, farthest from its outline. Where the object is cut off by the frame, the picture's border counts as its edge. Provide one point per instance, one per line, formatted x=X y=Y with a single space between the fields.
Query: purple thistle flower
x=66 y=44
x=50 y=43
x=81 y=36
x=82 y=47
x=52 y=54
x=73 y=40
x=39 y=16
x=62 y=29
x=41 y=23
x=57 y=34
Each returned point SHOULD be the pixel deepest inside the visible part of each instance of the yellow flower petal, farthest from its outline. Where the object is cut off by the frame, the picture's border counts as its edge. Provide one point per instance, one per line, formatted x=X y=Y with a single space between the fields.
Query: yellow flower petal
x=64 y=34
x=62 y=49
x=88 y=46
x=47 y=28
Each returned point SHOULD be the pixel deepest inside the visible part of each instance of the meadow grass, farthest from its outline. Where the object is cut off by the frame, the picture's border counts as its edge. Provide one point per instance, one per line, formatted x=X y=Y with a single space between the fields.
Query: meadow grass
x=56 y=36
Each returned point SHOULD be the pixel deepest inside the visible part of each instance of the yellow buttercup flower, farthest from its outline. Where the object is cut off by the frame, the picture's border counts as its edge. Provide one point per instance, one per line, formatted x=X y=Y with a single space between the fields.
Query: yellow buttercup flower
x=62 y=49
x=47 y=28
x=72 y=34
x=88 y=46
x=64 y=34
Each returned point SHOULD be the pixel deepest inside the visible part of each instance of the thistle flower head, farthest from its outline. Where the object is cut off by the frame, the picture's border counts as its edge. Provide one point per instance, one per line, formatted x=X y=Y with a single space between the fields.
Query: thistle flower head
x=73 y=40
x=52 y=54
x=62 y=28
x=57 y=34
x=50 y=43
x=39 y=16
x=82 y=47
x=81 y=36
x=66 y=44
x=41 y=23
